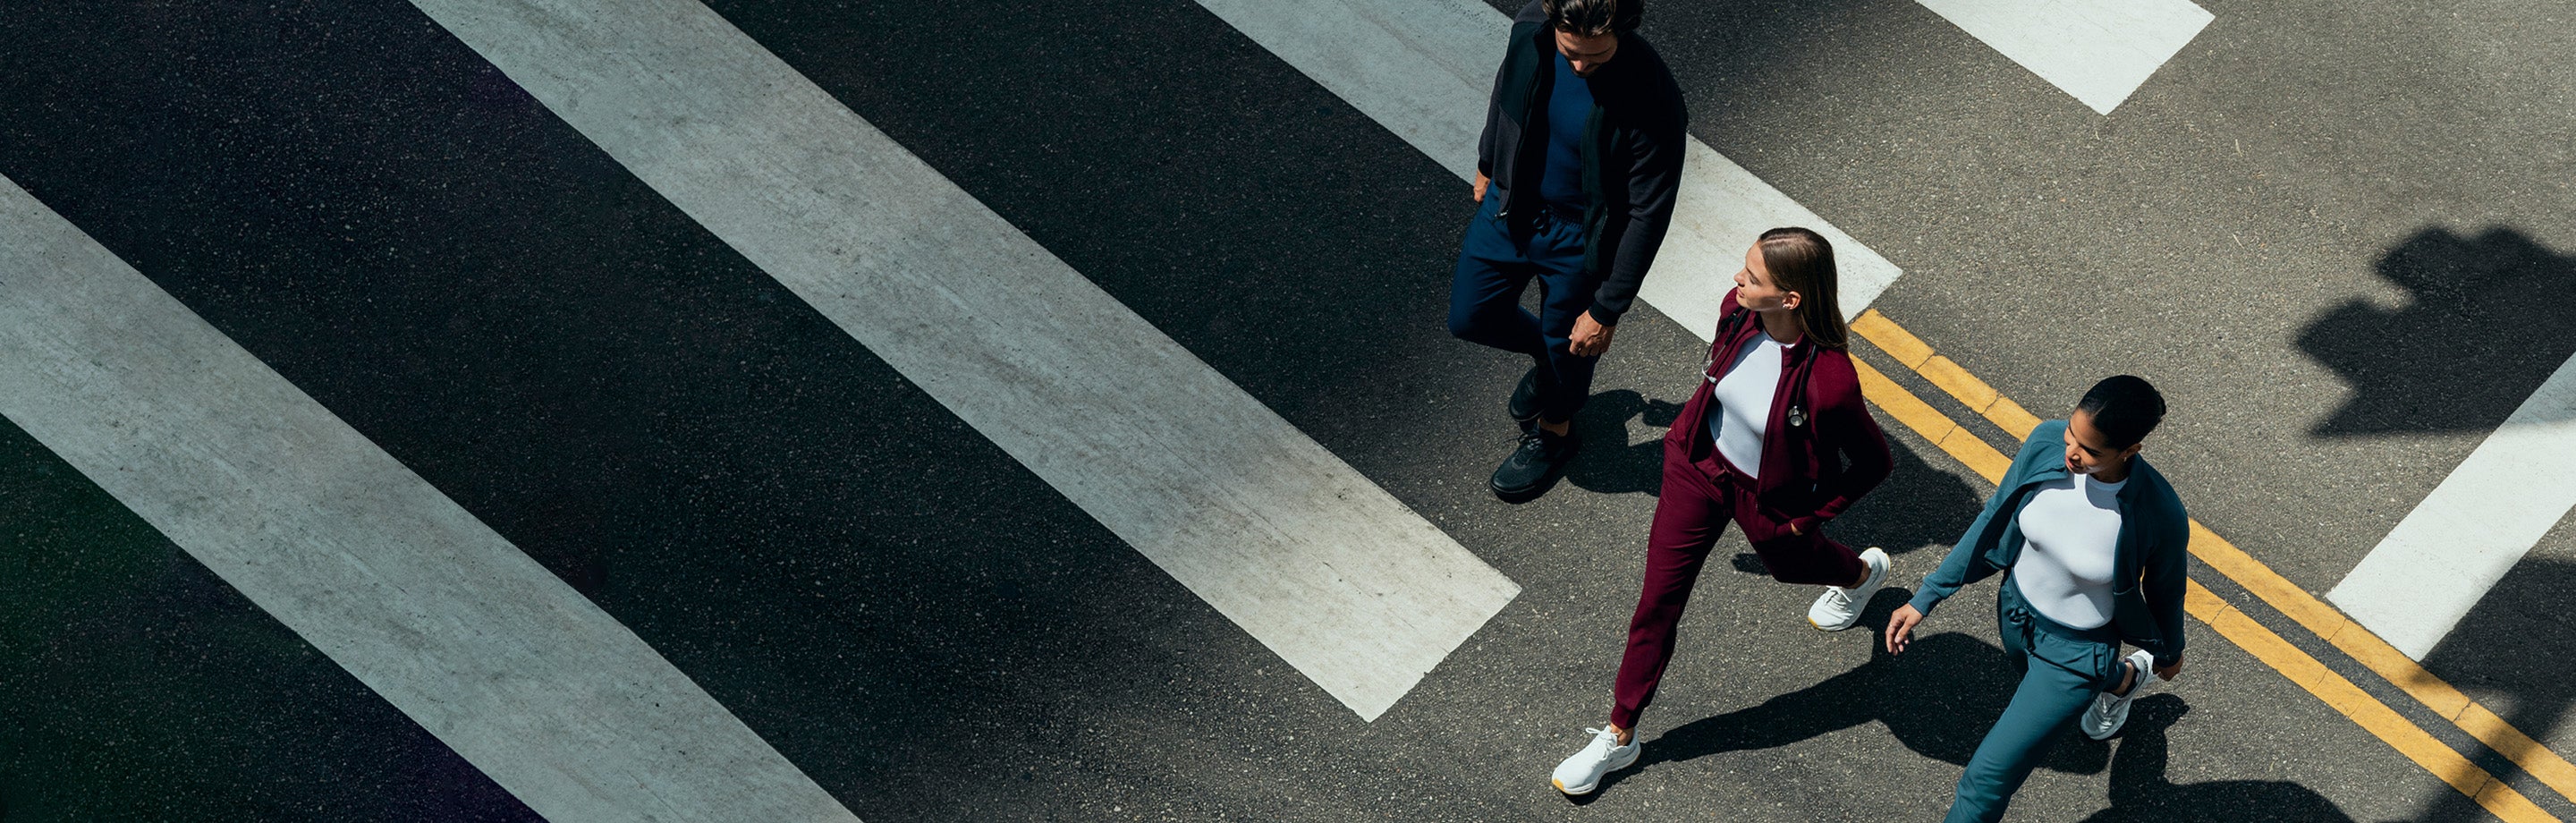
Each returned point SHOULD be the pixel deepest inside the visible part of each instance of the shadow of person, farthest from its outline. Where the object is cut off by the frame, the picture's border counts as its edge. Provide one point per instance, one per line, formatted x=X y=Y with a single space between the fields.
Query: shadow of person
x=1918 y=506
x=2140 y=791
x=2505 y=650
x=1609 y=463
x=1938 y=699
x=2482 y=298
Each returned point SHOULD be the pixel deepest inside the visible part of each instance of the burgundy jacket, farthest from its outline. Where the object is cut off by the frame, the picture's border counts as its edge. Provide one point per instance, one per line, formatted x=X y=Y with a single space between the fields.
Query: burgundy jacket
x=1810 y=473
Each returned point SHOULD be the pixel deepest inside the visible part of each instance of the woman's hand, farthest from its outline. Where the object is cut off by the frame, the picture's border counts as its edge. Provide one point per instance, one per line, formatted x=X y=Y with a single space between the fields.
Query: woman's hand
x=2167 y=673
x=1900 y=627
x=1480 y=187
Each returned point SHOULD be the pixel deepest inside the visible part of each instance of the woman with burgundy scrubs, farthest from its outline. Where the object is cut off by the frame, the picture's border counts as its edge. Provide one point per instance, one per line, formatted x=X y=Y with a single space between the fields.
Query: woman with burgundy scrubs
x=1763 y=443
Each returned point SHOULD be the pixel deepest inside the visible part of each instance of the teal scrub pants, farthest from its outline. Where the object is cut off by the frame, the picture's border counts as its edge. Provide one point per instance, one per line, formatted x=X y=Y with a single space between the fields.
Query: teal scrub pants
x=2061 y=669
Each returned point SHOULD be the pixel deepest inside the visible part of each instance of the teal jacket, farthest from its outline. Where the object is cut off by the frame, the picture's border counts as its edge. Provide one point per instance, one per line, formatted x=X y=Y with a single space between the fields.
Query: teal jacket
x=2154 y=537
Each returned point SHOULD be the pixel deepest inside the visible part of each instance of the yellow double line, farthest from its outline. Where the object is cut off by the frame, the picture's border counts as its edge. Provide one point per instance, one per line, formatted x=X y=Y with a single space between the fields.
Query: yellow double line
x=2296 y=603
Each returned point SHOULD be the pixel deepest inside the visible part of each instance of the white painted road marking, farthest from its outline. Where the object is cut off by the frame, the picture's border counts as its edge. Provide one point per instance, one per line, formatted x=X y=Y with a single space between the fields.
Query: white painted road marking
x=1340 y=579
x=2100 y=51
x=2439 y=561
x=1424 y=68
x=453 y=625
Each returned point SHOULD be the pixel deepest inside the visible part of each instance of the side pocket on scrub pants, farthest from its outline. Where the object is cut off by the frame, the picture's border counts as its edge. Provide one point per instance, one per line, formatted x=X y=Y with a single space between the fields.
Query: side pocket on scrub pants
x=2108 y=666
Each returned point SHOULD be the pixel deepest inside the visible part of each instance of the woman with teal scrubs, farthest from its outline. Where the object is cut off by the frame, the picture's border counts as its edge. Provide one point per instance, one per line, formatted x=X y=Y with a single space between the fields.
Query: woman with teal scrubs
x=2091 y=542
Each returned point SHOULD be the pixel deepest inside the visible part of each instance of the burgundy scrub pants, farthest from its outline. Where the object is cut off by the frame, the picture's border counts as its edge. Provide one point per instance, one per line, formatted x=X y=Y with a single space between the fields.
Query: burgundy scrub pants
x=1698 y=500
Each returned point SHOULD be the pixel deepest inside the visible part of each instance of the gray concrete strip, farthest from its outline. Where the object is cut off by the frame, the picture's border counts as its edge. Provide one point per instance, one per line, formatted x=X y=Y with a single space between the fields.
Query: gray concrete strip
x=1329 y=571
x=1424 y=68
x=453 y=625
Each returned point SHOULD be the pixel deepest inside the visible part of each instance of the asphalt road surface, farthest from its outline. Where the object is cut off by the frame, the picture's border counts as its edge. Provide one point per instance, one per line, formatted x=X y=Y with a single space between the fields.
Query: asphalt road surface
x=2336 y=235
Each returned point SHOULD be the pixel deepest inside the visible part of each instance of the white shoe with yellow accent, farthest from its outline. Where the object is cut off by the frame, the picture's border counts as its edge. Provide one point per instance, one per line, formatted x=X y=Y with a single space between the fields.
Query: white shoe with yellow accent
x=1582 y=773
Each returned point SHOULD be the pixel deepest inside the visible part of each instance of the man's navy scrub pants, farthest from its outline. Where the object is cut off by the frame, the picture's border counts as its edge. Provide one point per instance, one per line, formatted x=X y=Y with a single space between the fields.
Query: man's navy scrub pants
x=1494 y=266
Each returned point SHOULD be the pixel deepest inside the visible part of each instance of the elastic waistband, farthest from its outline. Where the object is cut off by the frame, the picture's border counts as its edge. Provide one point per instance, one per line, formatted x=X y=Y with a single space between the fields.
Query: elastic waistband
x=2016 y=609
x=1541 y=215
x=1720 y=472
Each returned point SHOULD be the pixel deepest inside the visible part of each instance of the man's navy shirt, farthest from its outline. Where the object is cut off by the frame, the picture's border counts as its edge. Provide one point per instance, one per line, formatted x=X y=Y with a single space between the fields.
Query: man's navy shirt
x=1569 y=105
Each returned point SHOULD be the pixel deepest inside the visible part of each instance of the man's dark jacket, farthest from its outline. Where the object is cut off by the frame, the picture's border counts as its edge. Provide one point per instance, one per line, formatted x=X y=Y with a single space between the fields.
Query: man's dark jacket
x=1632 y=153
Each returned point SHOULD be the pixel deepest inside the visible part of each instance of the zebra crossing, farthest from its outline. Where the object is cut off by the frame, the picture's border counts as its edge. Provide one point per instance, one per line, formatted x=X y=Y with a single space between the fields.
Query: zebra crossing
x=722 y=201
x=1321 y=565
x=445 y=619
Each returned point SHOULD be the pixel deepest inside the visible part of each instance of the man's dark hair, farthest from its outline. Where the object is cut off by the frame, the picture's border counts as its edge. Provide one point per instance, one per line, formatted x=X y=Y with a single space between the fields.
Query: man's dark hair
x=1593 y=18
x=2124 y=408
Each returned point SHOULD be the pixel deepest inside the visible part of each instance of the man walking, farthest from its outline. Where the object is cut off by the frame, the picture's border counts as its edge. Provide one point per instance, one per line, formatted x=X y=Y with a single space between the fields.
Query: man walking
x=1576 y=175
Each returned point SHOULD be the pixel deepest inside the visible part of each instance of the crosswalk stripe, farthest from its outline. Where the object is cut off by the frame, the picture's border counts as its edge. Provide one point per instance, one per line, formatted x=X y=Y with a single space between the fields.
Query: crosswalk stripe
x=2100 y=51
x=422 y=602
x=1424 y=68
x=2460 y=540
x=1322 y=566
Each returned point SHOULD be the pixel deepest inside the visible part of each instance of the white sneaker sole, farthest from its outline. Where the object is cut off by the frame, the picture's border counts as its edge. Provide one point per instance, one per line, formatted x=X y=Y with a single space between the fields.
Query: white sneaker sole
x=1595 y=785
x=2118 y=717
x=2110 y=726
x=1884 y=572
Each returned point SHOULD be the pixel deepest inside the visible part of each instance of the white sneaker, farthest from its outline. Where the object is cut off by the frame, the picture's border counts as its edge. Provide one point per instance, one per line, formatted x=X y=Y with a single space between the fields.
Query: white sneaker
x=1581 y=773
x=2109 y=711
x=1838 y=608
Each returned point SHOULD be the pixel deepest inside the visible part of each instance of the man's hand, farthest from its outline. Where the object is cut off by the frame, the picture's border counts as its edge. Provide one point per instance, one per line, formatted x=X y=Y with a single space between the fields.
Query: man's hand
x=2167 y=673
x=1900 y=627
x=1480 y=185
x=1590 y=338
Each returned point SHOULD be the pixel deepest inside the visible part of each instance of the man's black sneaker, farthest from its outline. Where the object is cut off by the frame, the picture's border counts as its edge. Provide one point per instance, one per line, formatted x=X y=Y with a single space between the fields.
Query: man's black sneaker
x=1523 y=406
x=1533 y=466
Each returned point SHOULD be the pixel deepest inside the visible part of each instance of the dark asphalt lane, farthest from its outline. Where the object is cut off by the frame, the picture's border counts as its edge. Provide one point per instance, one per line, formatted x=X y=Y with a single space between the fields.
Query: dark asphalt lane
x=139 y=686
x=932 y=633
x=361 y=202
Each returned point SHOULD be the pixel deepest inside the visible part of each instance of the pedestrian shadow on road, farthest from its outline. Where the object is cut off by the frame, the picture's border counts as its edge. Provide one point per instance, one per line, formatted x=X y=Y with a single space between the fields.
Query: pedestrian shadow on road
x=1919 y=507
x=2469 y=345
x=1609 y=463
x=2505 y=653
x=1938 y=698
x=2140 y=791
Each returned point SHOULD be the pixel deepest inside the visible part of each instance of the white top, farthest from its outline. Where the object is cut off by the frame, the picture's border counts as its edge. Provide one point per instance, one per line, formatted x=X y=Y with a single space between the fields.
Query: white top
x=1744 y=402
x=2070 y=541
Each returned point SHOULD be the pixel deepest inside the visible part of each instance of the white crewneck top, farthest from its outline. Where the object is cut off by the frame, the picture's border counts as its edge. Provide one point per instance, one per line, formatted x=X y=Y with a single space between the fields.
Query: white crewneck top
x=2070 y=540
x=1744 y=398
